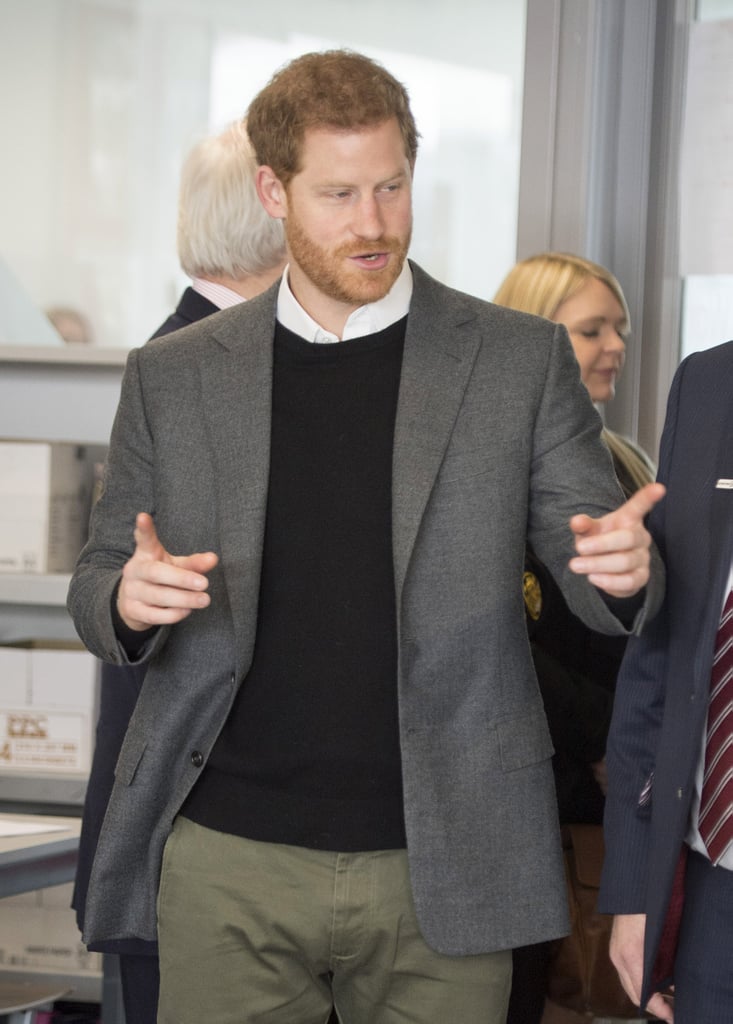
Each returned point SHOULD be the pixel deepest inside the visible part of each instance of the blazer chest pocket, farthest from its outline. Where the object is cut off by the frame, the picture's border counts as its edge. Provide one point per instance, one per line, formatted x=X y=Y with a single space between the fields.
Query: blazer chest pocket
x=523 y=740
x=465 y=465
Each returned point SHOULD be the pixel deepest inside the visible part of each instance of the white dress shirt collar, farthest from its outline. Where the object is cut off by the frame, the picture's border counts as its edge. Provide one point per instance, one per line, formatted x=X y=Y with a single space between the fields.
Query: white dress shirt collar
x=219 y=294
x=369 y=319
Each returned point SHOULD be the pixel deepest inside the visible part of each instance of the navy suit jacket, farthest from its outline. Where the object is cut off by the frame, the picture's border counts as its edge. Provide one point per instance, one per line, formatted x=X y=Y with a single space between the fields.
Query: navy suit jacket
x=191 y=308
x=662 y=690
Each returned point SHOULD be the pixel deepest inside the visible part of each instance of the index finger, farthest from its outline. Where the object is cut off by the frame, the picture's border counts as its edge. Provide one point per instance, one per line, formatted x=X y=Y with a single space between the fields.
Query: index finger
x=643 y=501
x=630 y=513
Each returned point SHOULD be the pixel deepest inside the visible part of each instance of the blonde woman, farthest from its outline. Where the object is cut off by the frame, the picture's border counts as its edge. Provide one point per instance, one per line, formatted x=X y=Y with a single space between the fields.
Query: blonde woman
x=588 y=299
x=576 y=667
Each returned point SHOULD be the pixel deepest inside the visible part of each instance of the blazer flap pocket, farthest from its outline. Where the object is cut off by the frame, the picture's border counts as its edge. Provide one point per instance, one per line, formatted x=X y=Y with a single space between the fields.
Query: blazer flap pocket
x=130 y=756
x=524 y=740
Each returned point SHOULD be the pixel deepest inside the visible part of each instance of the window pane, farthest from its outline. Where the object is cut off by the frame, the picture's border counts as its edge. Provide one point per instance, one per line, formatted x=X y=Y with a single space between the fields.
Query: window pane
x=107 y=96
x=706 y=201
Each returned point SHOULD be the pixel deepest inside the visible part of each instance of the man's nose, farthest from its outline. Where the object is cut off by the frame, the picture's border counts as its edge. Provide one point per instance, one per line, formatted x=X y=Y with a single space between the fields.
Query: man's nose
x=368 y=222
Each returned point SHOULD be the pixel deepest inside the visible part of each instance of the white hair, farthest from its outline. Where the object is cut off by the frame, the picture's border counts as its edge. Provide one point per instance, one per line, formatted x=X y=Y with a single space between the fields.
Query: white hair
x=223 y=229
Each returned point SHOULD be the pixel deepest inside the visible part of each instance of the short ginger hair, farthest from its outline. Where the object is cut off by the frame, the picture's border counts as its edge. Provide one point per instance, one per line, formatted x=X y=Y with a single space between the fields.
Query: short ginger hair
x=339 y=90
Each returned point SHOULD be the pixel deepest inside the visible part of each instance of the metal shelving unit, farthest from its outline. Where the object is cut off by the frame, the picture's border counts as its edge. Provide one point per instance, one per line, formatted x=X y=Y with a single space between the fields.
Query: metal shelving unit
x=53 y=394
x=68 y=393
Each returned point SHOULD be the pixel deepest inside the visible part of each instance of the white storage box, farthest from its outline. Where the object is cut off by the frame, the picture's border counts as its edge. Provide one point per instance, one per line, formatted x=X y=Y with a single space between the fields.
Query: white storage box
x=44 y=505
x=48 y=709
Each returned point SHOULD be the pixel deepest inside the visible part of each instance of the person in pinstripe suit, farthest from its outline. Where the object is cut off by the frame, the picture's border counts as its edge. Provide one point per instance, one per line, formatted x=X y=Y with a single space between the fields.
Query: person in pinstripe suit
x=674 y=909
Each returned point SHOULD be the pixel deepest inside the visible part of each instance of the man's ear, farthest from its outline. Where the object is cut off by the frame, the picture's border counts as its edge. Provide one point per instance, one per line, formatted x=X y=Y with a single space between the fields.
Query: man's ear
x=271 y=192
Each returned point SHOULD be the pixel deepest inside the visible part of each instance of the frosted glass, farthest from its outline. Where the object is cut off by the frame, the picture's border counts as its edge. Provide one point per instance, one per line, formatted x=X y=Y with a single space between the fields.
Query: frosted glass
x=707 y=306
x=707 y=312
x=103 y=98
x=714 y=10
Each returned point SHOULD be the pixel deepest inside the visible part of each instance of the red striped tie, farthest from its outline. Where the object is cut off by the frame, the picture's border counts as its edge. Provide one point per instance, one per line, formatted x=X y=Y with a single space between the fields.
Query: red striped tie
x=716 y=805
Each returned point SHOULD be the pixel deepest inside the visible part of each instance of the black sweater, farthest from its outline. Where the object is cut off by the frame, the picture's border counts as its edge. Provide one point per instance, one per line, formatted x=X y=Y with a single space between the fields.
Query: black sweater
x=310 y=754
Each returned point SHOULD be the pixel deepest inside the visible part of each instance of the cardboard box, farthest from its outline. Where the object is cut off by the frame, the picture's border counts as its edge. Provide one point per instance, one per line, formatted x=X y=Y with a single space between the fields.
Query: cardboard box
x=44 y=938
x=45 y=495
x=48 y=708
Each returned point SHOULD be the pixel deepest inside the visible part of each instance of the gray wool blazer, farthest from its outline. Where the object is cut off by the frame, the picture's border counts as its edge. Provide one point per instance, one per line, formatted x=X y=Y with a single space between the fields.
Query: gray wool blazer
x=496 y=441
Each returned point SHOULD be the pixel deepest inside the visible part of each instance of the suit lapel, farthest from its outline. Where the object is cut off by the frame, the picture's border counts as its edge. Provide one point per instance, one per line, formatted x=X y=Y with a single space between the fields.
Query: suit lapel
x=440 y=349
x=237 y=388
x=721 y=511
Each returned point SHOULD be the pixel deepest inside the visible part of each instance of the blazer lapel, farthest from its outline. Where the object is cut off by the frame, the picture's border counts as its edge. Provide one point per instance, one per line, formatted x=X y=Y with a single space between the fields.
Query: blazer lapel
x=440 y=349
x=721 y=510
x=237 y=389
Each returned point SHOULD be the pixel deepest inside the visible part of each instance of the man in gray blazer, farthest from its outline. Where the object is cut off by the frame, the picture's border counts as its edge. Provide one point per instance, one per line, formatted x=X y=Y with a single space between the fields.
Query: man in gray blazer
x=337 y=778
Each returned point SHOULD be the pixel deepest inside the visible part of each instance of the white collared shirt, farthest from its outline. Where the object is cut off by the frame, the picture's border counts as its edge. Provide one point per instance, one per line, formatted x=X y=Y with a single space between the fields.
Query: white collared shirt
x=219 y=294
x=369 y=319
x=694 y=839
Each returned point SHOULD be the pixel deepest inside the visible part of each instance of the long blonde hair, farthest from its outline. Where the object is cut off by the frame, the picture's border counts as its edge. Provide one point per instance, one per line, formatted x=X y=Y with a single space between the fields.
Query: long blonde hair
x=539 y=285
x=633 y=466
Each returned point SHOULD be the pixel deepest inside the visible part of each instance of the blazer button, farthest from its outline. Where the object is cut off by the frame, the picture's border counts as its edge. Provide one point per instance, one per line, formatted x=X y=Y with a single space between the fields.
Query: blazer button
x=197 y=758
